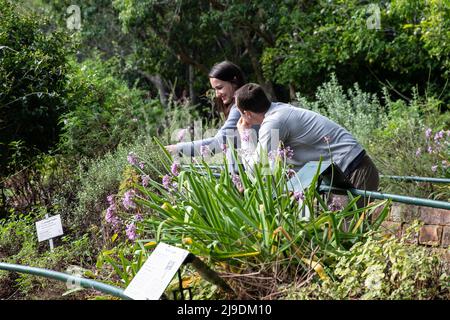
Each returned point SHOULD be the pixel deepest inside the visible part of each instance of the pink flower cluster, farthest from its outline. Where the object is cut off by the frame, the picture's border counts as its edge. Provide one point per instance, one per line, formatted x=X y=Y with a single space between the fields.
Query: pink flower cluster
x=282 y=153
x=127 y=200
x=435 y=145
x=299 y=196
x=237 y=182
x=111 y=214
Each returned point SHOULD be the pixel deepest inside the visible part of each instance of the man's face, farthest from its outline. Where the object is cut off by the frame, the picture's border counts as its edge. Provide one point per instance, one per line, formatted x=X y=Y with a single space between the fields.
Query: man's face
x=224 y=90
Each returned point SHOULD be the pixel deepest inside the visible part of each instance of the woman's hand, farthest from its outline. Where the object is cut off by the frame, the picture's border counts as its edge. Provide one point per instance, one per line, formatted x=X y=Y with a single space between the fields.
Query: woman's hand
x=171 y=148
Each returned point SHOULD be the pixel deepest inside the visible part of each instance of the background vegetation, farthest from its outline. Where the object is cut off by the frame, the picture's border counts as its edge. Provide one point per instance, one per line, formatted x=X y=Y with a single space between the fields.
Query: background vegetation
x=75 y=103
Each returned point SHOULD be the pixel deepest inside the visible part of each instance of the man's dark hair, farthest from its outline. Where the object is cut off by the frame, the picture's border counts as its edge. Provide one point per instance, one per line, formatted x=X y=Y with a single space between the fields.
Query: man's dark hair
x=251 y=97
x=228 y=71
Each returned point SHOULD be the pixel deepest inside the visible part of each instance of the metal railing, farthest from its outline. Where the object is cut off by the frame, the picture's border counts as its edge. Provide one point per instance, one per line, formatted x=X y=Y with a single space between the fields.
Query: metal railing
x=82 y=282
x=396 y=198
x=416 y=179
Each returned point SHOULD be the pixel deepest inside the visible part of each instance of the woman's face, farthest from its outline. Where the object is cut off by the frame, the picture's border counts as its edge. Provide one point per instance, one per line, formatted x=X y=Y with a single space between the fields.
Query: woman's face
x=224 y=90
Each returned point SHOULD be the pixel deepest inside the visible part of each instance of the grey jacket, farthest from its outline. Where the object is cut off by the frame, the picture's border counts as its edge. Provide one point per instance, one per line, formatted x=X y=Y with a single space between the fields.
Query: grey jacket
x=306 y=133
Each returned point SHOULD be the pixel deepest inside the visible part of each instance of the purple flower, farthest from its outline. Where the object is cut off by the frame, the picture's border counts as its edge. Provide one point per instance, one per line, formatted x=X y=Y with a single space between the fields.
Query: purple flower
x=299 y=196
x=138 y=217
x=289 y=152
x=285 y=153
x=110 y=213
x=131 y=231
x=224 y=147
x=430 y=150
x=428 y=133
x=111 y=217
x=132 y=159
x=141 y=165
x=291 y=173
x=237 y=182
x=337 y=203
x=434 y=168
x=166 y=181
x=246 y=135
x=282 y=153
x=438 y=136
x=175 y=169
x=418 y=152
x=110 y=199
x=127 y=200
x=145 y=179
x=204 y=151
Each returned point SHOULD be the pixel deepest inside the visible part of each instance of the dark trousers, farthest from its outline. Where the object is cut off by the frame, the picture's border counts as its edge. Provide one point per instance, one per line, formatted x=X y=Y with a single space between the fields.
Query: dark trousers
x=365 y=177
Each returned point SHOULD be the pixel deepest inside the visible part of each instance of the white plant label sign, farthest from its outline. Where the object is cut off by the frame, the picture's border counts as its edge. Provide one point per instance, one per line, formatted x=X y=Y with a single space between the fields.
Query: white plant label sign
x=49 y=228
x=156 y=273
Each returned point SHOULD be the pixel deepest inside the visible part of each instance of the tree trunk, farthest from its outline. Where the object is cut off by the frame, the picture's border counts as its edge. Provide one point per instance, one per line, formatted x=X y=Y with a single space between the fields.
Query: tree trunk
x=267 y=85
x=292 y=93
x=158 y=82
x=191 y=85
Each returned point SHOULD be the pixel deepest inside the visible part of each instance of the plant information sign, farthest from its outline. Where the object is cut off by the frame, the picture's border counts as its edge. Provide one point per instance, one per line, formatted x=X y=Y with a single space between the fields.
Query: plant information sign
x=156 y=273
x=49 y=228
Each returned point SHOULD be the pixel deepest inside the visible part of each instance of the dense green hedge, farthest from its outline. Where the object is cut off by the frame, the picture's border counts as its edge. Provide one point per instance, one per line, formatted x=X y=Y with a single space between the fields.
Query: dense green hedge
x=33 y=70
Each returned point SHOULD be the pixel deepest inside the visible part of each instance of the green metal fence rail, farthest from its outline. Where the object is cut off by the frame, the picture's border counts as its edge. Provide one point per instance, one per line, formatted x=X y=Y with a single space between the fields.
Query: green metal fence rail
x=82 y=282
x=417 y=179
x=394 y=197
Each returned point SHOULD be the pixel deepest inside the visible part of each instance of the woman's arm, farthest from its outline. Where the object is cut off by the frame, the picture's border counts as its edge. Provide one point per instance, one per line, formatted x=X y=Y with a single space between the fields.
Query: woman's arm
x=227 y=131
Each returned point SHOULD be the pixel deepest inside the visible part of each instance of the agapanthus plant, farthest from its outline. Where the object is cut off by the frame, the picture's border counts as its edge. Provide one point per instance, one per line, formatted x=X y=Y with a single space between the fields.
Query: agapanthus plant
x=248 y=223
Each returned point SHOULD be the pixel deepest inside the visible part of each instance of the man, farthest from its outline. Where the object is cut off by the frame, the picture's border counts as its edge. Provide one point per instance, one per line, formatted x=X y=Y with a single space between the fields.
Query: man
x=305 y=135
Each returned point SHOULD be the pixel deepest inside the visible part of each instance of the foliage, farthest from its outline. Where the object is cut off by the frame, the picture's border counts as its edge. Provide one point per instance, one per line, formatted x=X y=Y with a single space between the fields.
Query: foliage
x=33 y=73
x=404 y=138
x=277 y=43
x=382 y=268
x=96 y=179
x=104 y=111
x=243 y=223
x=357 y=111
x=398 y=43
x=36 y=185
x=413 y=142
x=19 y=245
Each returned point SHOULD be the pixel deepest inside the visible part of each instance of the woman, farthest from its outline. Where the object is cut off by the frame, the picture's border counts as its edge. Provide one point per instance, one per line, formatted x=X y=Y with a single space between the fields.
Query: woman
x=225 y=78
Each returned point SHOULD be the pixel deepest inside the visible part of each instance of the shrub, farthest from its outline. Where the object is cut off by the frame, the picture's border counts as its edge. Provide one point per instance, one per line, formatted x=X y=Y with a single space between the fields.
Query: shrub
x=245 y=224
x=19 y=245
x=33 y=70
x=404 y=138
x=359 y=112
x=104 y=111
x=414 y=141
x=381 y=268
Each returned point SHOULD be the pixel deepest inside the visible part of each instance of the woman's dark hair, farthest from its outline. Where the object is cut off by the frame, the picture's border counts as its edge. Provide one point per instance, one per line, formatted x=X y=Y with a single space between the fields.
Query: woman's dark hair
x=251 y=97
x=230 y=72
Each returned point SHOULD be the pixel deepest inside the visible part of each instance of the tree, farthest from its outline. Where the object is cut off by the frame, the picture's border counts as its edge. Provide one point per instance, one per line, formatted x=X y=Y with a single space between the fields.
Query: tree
x=32 y=76
x=394 y=43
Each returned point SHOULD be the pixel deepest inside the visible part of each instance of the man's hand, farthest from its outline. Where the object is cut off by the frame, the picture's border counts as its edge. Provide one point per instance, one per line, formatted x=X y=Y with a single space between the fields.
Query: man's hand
x=243 y=125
